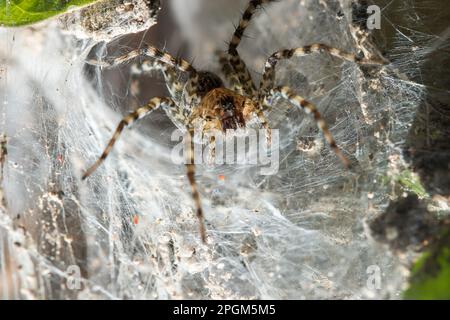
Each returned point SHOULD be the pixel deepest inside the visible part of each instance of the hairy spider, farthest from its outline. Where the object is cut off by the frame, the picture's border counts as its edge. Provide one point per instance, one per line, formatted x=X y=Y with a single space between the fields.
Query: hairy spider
x=203 y=102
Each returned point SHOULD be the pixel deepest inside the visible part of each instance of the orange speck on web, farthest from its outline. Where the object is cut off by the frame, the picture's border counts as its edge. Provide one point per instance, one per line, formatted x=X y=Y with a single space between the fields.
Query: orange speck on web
x=135 y=219
x=60 y=158
x=221 y=177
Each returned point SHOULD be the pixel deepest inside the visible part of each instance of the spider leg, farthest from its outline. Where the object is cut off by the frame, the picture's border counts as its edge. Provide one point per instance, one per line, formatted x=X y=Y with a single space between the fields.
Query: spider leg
x=171 y=78
x=288 y=94
x=268 y=78
x=190 y=169
x=228 y=72
x=212 y=150
x=179 y=112
x=151 y=52
x=191 y=98
x=265 y=124
x=164 y=57
x=127 y=121
x=235 y=60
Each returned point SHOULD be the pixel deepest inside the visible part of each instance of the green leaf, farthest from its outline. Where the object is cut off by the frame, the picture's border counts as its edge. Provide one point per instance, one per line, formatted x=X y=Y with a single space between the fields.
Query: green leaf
x=430 y=278
x=15 y=13
x=411 y=182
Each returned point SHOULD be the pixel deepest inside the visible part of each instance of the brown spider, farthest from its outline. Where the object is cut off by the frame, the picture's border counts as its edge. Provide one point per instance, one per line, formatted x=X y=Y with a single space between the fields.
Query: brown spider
x=204 y=103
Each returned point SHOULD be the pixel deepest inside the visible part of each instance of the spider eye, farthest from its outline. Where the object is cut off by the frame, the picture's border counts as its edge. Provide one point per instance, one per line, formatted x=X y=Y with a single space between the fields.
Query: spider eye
x=227 y=103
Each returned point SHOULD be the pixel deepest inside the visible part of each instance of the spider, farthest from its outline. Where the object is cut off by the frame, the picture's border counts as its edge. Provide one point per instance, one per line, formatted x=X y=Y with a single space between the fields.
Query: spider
x=203 y=102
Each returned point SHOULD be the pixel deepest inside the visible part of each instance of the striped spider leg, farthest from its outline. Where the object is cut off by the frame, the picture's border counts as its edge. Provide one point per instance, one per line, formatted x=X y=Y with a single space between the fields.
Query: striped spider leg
x=173 y=82
x=235 y=60
x=128 y=120
x=174 y=110
x=229 y=73
x=268 y=78
x=175 y=85
x=267 y=91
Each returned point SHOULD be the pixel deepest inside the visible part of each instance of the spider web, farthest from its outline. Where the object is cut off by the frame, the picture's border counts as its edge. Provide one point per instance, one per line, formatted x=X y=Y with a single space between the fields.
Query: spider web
x=130 y=228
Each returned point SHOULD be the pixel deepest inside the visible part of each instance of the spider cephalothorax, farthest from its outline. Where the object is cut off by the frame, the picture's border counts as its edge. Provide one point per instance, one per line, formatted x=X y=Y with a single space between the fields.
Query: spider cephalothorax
x=219 y=108
x=204 y=98
x=231 y=109
x=224 y=109
x=207 y=81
